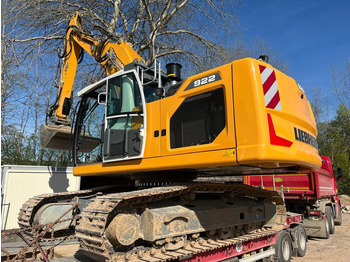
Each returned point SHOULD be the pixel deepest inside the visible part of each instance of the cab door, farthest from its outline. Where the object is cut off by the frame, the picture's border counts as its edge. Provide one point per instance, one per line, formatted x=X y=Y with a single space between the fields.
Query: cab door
x=125 y=125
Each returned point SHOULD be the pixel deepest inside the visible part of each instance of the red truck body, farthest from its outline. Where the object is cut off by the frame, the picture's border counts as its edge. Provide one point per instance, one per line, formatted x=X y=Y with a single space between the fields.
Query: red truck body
x=306 y=192
x=305 y=185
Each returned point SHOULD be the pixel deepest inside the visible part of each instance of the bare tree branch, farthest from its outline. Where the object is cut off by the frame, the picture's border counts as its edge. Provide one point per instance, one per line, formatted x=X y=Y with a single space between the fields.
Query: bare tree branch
x=44 y=38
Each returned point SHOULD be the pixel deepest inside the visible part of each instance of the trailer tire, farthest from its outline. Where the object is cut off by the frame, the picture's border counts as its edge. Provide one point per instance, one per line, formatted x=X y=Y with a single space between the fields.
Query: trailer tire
x=283 y=247
x=301 y=237
x=326 y=227
x=330 y=219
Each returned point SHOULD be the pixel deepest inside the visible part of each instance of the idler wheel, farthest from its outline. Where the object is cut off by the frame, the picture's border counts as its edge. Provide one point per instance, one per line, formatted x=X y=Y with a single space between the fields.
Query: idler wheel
x=124 y=229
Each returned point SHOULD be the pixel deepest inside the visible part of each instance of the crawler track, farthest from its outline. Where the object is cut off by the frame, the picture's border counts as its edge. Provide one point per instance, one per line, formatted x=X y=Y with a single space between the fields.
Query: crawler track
x=26 y=214
x=98 y=214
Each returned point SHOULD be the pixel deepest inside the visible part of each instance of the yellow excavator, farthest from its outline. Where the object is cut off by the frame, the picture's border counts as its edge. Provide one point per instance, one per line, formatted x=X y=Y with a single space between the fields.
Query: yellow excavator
x=141 y=137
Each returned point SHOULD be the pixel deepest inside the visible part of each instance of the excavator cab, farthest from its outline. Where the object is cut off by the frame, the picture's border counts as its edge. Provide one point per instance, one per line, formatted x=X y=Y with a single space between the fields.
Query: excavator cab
x=111 y=120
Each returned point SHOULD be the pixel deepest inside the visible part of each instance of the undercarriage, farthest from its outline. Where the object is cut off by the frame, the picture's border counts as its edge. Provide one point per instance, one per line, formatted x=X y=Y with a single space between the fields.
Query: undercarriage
x=160 y=223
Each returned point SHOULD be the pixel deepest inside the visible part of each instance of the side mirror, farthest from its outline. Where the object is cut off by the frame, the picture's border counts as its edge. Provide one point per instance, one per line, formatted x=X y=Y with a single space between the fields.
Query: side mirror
x=101 y=99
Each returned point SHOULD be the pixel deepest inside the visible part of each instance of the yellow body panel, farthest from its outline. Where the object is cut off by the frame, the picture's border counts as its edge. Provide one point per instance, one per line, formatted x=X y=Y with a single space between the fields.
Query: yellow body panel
x=152 y=147
x=212 y=158
x=248 y=137
x=226 y=139
x=252 y=131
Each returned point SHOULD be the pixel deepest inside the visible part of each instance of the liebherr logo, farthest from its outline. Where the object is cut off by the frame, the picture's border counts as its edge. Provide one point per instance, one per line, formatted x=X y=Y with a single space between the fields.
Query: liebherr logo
x=305 y=137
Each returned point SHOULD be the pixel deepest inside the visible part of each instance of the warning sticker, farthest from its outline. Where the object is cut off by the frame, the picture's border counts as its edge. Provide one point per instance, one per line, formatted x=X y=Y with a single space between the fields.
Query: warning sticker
x=229 y=153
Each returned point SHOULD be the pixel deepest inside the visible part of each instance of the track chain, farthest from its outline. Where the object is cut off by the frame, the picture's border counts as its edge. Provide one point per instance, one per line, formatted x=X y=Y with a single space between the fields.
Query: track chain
x=26 y=214
x=99 y=213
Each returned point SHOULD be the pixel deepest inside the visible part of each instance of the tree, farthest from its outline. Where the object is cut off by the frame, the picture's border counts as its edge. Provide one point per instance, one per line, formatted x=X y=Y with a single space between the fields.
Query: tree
x=33 y=30
x=341 y=84
x=254 y=49
x=340 y=127
x=334 y=137
x=334 y=141
x=318 y=103
x=155 y=29
x=334 y=134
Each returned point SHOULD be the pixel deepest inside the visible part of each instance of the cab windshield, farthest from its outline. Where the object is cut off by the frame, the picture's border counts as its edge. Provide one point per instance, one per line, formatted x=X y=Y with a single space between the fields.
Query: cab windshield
x=123 y=95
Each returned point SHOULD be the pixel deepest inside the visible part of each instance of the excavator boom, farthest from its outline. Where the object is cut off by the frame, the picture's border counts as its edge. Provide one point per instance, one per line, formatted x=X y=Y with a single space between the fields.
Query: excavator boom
x=113 y=56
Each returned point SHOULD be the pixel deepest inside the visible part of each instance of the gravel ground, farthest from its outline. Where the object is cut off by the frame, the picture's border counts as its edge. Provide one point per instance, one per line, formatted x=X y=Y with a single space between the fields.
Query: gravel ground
x=334 y=249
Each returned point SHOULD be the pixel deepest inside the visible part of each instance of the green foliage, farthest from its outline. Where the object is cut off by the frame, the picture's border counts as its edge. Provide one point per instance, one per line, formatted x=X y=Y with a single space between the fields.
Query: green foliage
x=334 y=140
x=18 y=149
x=344 y=187
x=11 y=146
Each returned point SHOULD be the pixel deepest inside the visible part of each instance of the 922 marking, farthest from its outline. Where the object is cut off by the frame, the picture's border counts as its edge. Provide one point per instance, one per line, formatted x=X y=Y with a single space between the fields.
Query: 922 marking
x=204 y=80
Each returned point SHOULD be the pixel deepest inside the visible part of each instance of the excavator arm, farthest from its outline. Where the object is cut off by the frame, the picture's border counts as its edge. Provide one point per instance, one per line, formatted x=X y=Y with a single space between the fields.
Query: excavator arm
x=113 y=54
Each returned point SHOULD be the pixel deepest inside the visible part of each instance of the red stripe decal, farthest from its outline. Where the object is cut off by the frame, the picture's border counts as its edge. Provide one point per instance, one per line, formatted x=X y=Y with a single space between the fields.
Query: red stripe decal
x=274 y=101
x=274 y=138
x=269 y=82
x=262 y=68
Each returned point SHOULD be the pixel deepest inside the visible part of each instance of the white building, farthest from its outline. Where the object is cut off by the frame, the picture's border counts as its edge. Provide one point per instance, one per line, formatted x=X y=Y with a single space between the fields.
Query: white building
x=19 y=183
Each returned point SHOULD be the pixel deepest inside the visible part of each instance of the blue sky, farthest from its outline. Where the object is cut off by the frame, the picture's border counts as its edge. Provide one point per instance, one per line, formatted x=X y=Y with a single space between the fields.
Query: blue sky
x=311 y=35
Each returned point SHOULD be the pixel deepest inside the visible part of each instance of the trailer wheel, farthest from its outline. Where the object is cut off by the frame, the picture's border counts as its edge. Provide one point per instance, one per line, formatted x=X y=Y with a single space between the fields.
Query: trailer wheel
x=284 y=247
x=330 y=219
x=301 y=240
x=326 y=227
